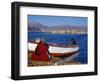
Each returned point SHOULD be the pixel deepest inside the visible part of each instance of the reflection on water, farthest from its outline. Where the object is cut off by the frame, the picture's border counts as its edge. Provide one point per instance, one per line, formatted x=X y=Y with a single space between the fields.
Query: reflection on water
x=71 y=57
x=68 y=59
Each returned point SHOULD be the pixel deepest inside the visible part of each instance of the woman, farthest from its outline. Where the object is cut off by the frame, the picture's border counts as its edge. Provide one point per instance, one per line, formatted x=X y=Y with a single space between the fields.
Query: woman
x=41 y=52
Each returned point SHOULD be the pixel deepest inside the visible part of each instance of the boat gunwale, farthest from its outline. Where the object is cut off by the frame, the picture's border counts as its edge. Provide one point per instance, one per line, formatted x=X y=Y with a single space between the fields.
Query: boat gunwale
x=58 y=45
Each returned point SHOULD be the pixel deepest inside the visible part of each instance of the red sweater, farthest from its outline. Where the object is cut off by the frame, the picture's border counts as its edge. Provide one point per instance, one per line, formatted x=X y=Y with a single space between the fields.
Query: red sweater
x=41 y=52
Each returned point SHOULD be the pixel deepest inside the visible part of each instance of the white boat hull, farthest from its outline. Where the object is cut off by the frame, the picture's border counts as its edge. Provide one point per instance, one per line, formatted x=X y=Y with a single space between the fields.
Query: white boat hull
x=56 y=50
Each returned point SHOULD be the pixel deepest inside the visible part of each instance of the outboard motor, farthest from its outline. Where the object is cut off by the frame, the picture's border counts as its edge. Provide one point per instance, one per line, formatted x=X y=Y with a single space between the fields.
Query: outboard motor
x=73 y=41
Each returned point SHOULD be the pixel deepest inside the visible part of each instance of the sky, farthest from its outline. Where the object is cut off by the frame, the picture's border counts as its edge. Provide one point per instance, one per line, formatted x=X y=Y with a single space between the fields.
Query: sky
x=58 y=20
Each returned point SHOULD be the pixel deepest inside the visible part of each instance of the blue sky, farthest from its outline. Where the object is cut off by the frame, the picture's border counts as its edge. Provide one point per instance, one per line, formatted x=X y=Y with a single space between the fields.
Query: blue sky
x=58 y=20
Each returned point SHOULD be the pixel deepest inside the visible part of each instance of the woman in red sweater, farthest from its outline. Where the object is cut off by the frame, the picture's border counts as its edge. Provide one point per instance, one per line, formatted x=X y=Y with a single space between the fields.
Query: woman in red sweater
x=41 y=52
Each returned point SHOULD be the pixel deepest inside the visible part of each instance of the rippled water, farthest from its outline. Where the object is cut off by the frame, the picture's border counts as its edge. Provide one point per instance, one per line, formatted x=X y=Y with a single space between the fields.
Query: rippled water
x=81 y=40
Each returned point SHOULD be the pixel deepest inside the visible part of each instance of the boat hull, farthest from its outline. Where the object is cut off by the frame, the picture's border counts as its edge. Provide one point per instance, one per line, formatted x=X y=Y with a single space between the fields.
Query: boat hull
x=55 y=50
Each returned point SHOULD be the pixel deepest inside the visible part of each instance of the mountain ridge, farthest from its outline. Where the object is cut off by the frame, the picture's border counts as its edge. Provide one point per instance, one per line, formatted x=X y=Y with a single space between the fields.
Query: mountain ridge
x=34 y=26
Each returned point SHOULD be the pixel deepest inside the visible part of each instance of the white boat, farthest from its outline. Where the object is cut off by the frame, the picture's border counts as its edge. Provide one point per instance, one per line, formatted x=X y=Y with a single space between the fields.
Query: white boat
x=57 y=50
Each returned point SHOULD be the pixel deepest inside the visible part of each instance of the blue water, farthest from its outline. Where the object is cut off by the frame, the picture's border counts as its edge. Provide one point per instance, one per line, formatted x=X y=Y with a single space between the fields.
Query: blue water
x=81 y=40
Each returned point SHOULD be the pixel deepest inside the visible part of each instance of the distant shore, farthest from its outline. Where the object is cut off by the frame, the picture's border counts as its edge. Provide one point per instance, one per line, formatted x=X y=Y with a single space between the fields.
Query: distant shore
x=58 y=32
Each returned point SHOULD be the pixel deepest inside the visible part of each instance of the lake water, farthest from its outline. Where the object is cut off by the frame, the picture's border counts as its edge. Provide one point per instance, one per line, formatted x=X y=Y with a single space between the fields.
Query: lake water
x=81 y=40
